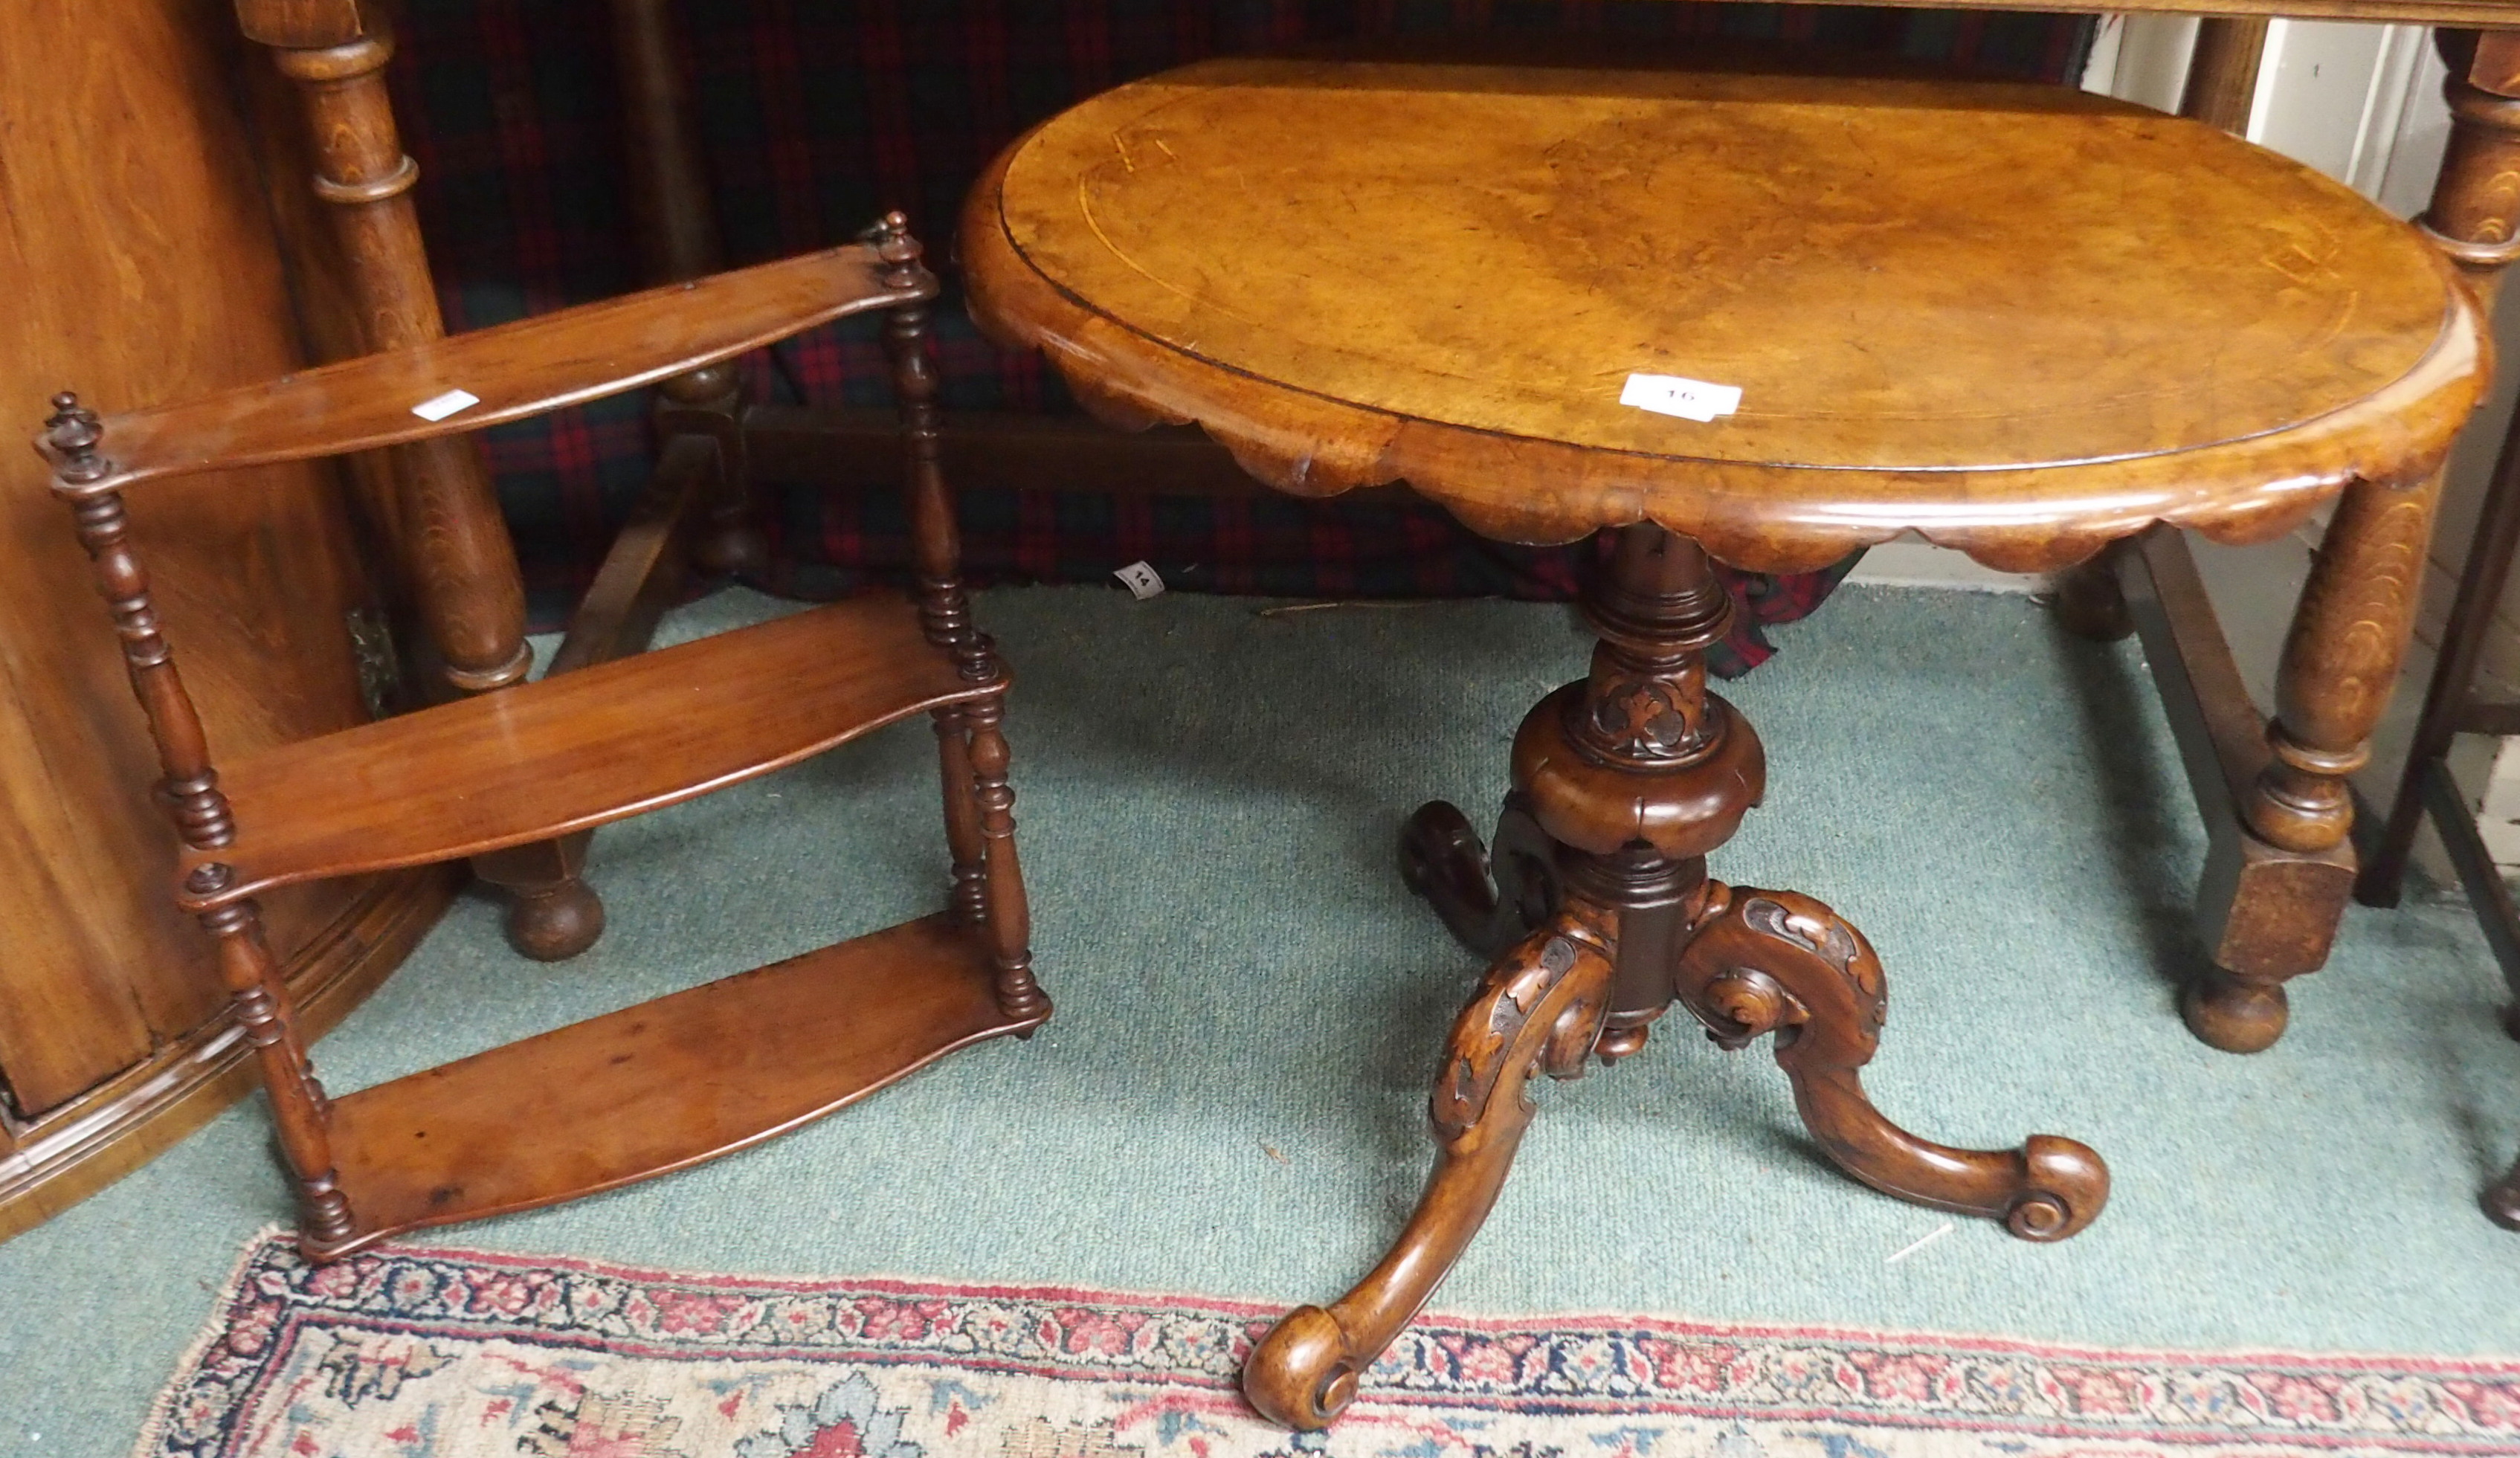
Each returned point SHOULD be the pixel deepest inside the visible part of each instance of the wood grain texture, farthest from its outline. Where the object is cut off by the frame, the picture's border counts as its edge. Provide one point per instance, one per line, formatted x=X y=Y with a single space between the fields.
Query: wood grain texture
x=579 y=750
x=709 y=1070
x=2020 y=319
x=517 y=370
x=139 y=262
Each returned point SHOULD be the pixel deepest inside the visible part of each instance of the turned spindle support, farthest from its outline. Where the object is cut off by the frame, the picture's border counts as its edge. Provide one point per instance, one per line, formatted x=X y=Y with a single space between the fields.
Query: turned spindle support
x=189 y=787
x=972 y=754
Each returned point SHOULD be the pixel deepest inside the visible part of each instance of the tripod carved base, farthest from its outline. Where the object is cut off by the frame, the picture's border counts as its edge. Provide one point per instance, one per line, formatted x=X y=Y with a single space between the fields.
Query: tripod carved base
x=1594 y=904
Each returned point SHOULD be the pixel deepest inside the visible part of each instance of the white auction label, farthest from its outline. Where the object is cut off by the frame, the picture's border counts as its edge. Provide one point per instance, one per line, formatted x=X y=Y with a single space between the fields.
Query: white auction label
x=439 y=407
x=1678 y=395
x=1140 y=579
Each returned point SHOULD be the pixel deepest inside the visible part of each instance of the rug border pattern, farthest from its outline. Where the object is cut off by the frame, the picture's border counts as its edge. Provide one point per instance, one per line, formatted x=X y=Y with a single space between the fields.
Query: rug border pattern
x=1553 y=1365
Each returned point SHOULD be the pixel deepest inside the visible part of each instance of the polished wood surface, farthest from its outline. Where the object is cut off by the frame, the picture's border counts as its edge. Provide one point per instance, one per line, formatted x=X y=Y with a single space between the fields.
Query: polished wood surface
x=1928 y=285
x=140 y=259
x=517 y=370
x=711 y=1070
x=672 y=1082
x=580 y=749
x=1593 y=903
x=1986 y=331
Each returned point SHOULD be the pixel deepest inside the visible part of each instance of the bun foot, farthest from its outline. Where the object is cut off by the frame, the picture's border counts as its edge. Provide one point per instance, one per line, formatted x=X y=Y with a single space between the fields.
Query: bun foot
x=1303 y=1372
x=555 y=922
x=2235 y=1015
x=2502 y=1200
x=2089 y=603
x=731 y=548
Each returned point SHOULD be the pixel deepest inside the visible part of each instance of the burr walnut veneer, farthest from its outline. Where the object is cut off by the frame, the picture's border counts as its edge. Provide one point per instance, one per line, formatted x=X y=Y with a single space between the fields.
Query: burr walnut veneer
x=2021 y=320
x=671 y=1082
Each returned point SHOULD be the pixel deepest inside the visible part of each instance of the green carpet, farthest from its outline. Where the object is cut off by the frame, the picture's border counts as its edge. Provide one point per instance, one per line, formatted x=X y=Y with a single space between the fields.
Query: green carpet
x=1230 y=1100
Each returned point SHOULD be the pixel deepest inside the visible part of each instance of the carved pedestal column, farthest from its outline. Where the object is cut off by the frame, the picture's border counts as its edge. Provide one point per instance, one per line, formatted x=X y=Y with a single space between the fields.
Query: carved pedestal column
x=1594 y=902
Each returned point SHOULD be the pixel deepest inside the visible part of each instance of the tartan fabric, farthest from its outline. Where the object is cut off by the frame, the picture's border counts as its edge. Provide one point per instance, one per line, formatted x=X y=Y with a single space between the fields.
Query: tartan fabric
x=816 y=118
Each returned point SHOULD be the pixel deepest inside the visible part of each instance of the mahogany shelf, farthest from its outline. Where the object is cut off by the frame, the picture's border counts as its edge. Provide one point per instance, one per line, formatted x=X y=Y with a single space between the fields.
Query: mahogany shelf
x=710 y=1070
x=580 y=749
x=510 y=371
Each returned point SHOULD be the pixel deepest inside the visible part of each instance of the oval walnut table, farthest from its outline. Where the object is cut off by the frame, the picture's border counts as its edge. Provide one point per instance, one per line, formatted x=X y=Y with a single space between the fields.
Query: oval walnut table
x=2023 y=322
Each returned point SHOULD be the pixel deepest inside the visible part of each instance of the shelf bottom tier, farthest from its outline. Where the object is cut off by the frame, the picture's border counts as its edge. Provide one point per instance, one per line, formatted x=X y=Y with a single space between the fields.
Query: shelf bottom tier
x=663 y=1084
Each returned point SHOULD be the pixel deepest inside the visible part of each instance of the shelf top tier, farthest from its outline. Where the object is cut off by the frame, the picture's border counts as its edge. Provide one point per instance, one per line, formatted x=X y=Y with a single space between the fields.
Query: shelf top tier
x=507 y=372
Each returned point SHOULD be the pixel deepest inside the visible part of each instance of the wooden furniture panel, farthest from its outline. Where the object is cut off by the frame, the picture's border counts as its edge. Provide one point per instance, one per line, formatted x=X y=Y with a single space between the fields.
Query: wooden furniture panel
x=2345 y=349
x=141 y=260
x=658 y=1087
x=526 y=368
x=579 y=749
x=1175 y=268
x=742 y=1059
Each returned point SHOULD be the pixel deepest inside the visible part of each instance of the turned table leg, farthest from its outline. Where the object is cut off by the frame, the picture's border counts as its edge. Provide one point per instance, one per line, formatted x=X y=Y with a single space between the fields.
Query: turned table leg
x=678 y=240
x=2282 y=867
x=462 y=564
x=1594 y=902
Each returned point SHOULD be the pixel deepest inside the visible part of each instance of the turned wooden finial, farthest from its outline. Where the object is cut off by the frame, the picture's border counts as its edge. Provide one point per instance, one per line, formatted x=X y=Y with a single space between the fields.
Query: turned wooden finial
x=71 y=436
x=900 y=251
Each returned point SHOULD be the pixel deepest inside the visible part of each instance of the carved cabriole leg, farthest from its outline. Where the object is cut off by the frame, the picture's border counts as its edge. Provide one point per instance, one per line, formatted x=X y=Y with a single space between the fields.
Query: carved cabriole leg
x=191 y=793
x=678 y=240
x=1595 y=894
x=1774 y=961
x=1539 y=1010
x=463 y=565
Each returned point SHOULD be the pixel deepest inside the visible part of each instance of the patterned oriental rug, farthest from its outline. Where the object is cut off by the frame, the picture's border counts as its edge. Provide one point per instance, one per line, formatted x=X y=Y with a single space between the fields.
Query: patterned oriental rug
x=411 y=1351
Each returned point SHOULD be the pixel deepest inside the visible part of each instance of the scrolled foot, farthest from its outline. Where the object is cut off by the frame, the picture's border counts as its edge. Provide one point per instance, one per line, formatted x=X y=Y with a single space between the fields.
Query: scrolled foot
x=1303 y=1372
x=555 y=922
x=2063 y=1185
x=1775 y=961
x=2234 y=1014
x=1538 y=1011
x=1488 y=898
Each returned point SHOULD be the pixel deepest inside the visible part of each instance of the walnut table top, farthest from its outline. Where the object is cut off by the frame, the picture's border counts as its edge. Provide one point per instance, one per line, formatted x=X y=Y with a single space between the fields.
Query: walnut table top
x=2019 y=318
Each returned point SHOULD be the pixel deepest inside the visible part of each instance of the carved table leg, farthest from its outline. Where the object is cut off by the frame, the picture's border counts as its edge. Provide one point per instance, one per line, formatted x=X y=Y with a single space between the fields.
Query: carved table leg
x=1773 y=961
x=461 y=561
x=2340 y=662
x=1596 y=901
x=1538 y=1011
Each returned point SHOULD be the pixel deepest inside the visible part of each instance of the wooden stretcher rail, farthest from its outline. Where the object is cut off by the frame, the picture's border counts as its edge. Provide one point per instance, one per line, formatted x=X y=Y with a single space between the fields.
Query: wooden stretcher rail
x=510 y=371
